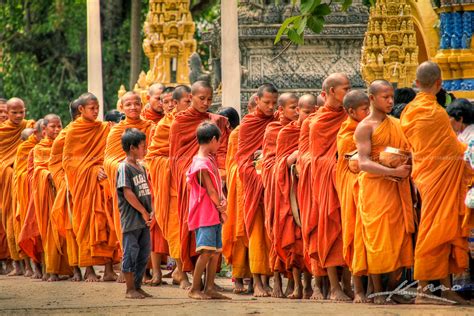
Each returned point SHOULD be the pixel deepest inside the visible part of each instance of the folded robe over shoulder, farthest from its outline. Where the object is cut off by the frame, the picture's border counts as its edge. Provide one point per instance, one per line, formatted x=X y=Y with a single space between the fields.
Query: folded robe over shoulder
x=55 y=249
x=324 y=227
x=10 y=139
x=287 y=234
x=387 y=223
x=93 y=222
x=183 y=147
x=441 y=176
x=234 y=236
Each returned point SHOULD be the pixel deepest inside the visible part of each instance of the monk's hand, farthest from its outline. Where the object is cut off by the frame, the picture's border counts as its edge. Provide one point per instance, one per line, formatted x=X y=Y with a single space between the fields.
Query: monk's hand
x=402 y=171
x=101 y=175
x=292 y=158
x=257 y=154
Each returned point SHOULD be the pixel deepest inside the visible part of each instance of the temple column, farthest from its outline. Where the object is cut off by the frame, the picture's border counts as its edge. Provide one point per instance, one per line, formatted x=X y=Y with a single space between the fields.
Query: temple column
x=94 y=53
x=230 y=63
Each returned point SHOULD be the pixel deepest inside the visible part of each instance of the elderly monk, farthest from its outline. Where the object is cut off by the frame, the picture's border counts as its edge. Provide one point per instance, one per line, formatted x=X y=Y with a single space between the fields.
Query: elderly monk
x=286 y=230
x=165 y=200
x=61 y=221
x=441 y=176
x=251 y=135
x=387 y=224
x=55 y=251
x=183 y=146
x=3 y=110
x=153 y=111
x=21 y=193
x=356 y=103
x=10 y=139
x=131 y=105
x=287 y=107
x=92 y=210
x=323 y=224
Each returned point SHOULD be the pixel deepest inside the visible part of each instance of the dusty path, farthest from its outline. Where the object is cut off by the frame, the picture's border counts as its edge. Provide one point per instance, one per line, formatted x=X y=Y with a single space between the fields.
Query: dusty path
x=20 y=296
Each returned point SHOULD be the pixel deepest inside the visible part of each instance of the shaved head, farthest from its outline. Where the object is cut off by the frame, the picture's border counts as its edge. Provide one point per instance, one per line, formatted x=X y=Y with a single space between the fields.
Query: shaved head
x=15 y=102
x=427 y=74
x=354 y=99
x=286 y=98
x=200 y=85
x=334 y=80
x=266 y=87
x=39 y=126
x=27 y=133
x=181 y=92
x=320 y=100
x=3 y=110
x=378 y=85
x=16 y=110
x=252 y=104
x=74 y=109
x=51 y=117
x=155 y=88
x=130 y=94
x=307 y=100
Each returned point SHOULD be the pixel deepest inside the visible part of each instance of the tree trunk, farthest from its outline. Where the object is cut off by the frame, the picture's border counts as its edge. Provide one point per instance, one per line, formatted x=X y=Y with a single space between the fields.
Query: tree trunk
x=135 y=43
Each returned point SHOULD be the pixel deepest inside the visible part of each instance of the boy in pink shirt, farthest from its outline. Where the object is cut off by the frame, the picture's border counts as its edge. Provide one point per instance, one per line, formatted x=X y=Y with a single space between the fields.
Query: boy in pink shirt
x=207 y=207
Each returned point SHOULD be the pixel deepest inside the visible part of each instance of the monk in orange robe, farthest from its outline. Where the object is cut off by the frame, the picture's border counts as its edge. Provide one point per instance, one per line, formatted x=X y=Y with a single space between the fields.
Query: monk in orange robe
x=356 y=104
x=323 y=225
x=165 y=200
x=153 y=111
x=92 y=211
x=55 y=251
x=287 y=107
x=183 y=147
x=441 y=177
x=251 y=135
x=3 y=111
x=4 y=253
x=286 y=232
x=10 y=139
x=61 y=212
x=21 y=193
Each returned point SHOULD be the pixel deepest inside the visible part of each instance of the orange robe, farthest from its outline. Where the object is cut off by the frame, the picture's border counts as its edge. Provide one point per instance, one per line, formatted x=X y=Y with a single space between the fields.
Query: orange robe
x=10 y=139
x=55 y=250
x=61 y=212
x=441 y=176
x=21 y=192
x=251 y=135
x=324 y=226
x=305 y=196
x=165 y=200
x=286 y=233
x=268 y=178
x=348 y=191
x=183 y=147
x=92 y=212
x=234 y=237
x=386 y=208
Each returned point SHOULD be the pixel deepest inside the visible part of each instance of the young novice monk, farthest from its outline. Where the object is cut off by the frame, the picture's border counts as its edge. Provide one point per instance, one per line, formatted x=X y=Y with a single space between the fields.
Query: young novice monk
x=134 y=197
x=387 y=224
x=356 y=104
x=207 y=207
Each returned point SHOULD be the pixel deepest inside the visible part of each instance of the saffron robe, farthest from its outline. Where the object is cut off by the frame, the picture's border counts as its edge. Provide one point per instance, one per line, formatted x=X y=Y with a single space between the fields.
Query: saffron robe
x=10 y=139
x=92 y=212
x=251 y=135
x=387 y=220
x=441 y=177
x=286 y=233
x=324 y=226
x=347 y=186
x=183 y=147
x=55 y=250
x=234 y=237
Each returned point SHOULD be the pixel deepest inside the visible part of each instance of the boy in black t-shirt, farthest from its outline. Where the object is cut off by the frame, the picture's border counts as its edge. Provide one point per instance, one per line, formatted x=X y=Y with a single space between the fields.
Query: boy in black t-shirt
x=134 y=199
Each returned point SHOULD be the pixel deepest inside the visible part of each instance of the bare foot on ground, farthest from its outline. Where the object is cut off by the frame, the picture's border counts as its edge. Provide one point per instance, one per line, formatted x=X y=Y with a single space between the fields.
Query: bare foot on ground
x=339 y=296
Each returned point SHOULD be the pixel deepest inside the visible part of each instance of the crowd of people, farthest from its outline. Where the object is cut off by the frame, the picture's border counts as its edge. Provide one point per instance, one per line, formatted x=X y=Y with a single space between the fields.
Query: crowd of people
x=348 y=195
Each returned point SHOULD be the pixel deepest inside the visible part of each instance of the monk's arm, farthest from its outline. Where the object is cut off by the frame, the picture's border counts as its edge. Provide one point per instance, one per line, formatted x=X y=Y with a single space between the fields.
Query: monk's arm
x=292 y=158
x=135 y=203
x=363 y=136
x=206 y=182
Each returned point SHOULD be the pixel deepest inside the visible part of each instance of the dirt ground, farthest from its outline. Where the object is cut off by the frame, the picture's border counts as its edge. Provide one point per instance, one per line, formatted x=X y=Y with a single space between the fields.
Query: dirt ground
x=21 y=296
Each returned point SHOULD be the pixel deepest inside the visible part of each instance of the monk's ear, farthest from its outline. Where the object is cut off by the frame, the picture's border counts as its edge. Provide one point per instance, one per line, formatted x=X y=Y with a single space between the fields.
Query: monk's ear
x=81 y=109
x=371 y=98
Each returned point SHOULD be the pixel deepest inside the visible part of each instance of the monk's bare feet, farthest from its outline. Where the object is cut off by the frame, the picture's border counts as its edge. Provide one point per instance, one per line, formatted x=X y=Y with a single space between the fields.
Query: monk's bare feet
x=277 y=291
x=239 y=286
x=297 y=294
x=307 y=292
x=8 y=266
x=454 y=297
x=317 y=294
x=120 y=278
x=213 y=294
x=290 y=288
x=133 y=294
x=90 y=276
x=28 y=271
x=349 y=292
x=53 y=278
x=198 y=295
x=142 y=292
x=37 y=274
x=259 y=291
x=45 y=277
x=338 y=295
x=156 y=280
x=110 y=276
x=360 y=298
x=77 y=276
x=16 y=270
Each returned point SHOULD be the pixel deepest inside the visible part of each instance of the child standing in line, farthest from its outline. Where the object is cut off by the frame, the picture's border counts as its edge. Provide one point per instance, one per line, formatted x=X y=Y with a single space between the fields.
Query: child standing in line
x=134 y=199
x=207 y=207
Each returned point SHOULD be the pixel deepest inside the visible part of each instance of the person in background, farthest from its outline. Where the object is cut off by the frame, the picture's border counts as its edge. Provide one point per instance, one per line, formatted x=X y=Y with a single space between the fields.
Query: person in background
x=461 y=114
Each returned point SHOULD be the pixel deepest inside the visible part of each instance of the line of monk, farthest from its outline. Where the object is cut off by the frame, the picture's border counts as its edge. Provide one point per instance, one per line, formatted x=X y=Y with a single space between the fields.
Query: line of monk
x=325 y=188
